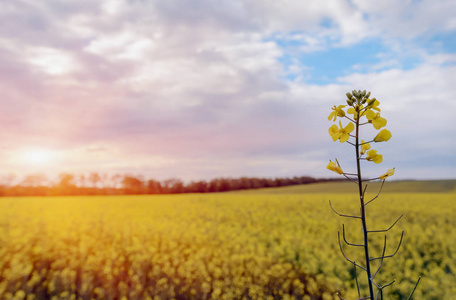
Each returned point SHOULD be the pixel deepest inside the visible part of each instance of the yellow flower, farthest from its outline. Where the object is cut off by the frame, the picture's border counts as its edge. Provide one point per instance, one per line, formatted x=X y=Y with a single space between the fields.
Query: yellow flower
x=388 y=173
x=341 y=133
x=364 y=147
x=345 y=132
x=382 y=136
x=335 y=167
x=337 y=112
x=355 y=111
x=376 y=119
x=375 y=105
x=373 y=156
x=334 y=132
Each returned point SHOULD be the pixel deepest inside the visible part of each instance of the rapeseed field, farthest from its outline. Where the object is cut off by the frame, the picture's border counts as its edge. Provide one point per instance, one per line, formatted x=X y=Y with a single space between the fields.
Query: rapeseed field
x=217 y=246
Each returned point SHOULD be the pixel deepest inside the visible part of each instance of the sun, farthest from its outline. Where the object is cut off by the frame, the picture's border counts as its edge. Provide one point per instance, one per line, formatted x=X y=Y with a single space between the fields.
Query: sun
x=38 y=157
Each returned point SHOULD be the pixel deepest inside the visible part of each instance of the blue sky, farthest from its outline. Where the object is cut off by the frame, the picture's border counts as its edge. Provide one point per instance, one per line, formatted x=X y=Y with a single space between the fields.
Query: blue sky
x=203 y=89
x=325 y=66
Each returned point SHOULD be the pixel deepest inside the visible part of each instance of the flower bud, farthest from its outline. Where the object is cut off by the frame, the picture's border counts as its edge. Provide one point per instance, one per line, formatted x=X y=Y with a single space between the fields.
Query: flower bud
x=363 y=93
x=350 y=102
x=371 y=102
x=349 y=95
x=363 y=101
x=368 y=95
x=355 y=93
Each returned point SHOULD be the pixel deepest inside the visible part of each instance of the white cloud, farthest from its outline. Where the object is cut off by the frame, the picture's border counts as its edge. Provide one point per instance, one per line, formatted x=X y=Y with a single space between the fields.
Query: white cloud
x=52 y=61
x=409 y=19
x=124 y=45
x=113 y=7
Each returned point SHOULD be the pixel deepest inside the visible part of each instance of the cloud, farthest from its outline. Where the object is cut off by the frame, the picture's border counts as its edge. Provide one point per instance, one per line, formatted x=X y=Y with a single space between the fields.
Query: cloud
x=230 y=88
x=410 y=19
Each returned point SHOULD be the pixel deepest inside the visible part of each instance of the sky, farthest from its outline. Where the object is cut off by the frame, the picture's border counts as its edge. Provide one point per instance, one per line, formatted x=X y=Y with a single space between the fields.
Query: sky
x=222 y=88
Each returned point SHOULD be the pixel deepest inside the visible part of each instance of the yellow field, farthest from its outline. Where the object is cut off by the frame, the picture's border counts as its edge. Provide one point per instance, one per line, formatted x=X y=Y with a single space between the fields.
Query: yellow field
x=218 y=246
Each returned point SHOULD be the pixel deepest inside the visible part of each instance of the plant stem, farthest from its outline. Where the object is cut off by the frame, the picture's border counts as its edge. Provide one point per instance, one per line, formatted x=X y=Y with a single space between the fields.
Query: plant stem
x=363 y=213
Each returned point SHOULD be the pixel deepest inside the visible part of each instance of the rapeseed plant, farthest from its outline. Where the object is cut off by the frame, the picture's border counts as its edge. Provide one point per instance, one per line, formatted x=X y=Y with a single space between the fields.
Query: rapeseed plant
x=360 y=105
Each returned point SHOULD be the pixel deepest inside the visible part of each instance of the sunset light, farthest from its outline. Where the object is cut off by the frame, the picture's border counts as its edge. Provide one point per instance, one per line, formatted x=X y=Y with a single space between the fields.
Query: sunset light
x=38 y=157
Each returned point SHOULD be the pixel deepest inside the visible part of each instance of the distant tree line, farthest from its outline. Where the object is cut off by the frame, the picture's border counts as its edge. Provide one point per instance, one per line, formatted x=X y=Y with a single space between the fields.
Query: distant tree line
x=102 y=184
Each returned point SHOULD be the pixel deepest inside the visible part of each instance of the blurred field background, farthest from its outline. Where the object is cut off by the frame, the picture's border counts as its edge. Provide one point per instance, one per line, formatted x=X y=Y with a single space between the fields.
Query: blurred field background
x=275 y=243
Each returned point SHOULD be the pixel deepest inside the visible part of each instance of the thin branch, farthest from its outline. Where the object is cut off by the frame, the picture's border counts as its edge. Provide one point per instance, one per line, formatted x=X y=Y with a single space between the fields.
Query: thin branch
x=391 y=255
x=379 y=191
x=345 y=240
x=351 y=143
x=384 y=230
x=343 y=253
x=345 y=174
x=347 y=216
x=366 y=143
x=376 y=285
x=388 y=284
x=349 y=119
x=379 y=291
x=352 y=180
x=381 y=261
x=356 y=280
x=371 y=179
x=351 y=174
x=340 y=297
x=416 y=284
x=364 y=191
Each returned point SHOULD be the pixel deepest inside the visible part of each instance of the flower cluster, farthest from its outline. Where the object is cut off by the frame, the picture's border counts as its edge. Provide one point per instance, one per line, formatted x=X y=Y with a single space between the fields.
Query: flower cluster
x=362 y=110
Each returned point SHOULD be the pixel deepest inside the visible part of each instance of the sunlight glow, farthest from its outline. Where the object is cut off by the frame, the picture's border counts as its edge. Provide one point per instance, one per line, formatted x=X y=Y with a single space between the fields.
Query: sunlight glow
x=38 y=157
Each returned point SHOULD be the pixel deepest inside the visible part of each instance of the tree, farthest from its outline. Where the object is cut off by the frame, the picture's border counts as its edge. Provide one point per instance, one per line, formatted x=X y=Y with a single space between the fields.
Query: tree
x=34 y=180
x=133 y=185
x=154 y=187
x=66 y=184
x=94 y=178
